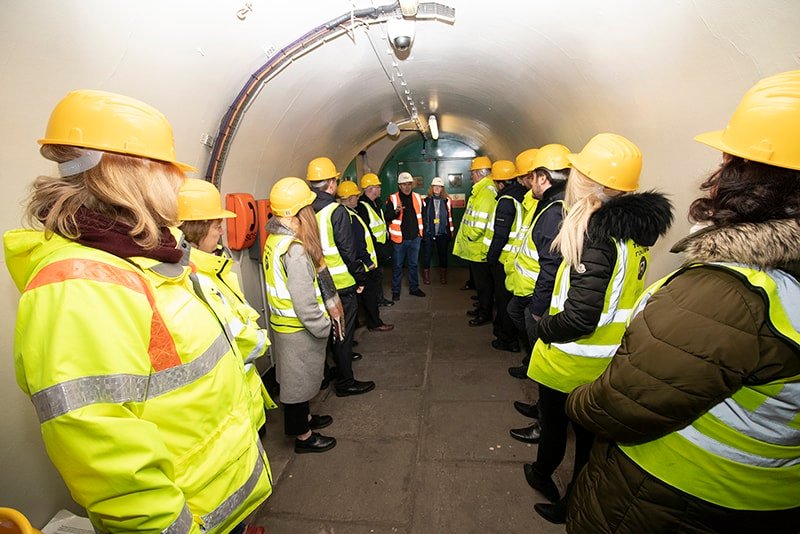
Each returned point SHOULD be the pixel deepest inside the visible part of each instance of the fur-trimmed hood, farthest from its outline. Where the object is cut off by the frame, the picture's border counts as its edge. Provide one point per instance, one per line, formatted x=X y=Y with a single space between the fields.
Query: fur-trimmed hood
x=766 y=245
x=275 y=226
x=641 y=217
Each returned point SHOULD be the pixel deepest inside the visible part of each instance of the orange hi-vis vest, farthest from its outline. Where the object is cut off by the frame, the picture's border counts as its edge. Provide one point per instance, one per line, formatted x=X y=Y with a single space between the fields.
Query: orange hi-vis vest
x=395 y=231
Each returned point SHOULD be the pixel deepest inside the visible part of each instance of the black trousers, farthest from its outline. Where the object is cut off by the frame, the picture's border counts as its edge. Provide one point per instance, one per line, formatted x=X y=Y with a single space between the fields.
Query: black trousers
x=517 y=309
x=369 y=298
x=484 y=284
x=442 y=245
x=295 y=418
x=343 y=351
x=504 y=328
x=553 y=444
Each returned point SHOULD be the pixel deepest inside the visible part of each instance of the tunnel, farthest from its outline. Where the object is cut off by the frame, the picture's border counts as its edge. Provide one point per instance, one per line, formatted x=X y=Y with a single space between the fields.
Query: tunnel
x=255 y=89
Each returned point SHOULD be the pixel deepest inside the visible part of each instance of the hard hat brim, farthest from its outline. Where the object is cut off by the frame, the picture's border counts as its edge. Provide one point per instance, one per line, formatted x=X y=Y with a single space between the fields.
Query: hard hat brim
x=714 y=140
x=184 y=167
x=227 y=214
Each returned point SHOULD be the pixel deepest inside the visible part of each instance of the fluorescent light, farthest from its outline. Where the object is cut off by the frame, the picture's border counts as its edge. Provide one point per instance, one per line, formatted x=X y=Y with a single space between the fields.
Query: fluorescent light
x=409 y=7
x=433 y=126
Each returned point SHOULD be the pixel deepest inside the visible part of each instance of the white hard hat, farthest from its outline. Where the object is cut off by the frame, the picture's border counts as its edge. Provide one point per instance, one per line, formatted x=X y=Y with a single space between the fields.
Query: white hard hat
x=404 y=178
x=437 y=181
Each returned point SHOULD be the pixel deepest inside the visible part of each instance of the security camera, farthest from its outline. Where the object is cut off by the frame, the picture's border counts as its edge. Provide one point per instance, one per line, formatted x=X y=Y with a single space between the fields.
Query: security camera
x=401 y=33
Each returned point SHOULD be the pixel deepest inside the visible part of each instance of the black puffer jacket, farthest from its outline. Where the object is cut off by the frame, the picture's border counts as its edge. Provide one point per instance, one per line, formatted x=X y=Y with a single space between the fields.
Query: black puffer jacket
x=504 y=215
x=641 y=217
x=343 y=237
x=699 y=340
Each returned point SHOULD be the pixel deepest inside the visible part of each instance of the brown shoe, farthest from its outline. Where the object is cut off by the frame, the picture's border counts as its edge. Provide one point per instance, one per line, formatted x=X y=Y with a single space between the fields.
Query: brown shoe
x=443 y=276
x=426 y=277
x=382 y=328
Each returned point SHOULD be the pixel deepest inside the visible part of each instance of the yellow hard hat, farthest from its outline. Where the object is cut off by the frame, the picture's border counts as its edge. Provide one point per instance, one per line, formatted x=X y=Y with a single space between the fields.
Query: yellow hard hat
x=14 y=522
x=113 y=123
x=524 y=161
x=503 y=169
x=766 y=125
x=199 y=200
x=610 y=160
x=481 y=162
x=321 y=169
x=289 y=195
x=370 y=179
x=347 y=189
x=552 y=157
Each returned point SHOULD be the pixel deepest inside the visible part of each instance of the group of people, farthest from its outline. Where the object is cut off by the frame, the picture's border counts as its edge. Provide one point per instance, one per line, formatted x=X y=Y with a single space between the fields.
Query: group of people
x=683 y=397
x=137 y=346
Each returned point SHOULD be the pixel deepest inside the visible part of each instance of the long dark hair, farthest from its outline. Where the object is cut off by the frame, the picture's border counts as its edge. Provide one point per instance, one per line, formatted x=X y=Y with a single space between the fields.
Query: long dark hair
x=743 y=191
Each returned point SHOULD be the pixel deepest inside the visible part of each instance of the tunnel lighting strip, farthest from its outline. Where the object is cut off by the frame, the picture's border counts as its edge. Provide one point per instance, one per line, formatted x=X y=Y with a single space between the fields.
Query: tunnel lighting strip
x=281 y=59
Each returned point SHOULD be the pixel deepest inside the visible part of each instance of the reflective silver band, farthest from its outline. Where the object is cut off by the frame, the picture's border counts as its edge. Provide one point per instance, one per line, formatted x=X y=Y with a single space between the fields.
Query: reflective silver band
x=770 y=422
x=731 y=453
x=181 y=525
x=259 y=348
x=235 y=500
x=116 y=389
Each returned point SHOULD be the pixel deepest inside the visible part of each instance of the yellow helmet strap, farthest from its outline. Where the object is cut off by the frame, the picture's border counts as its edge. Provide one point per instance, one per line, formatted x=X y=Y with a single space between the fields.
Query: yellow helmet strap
x=87 y=160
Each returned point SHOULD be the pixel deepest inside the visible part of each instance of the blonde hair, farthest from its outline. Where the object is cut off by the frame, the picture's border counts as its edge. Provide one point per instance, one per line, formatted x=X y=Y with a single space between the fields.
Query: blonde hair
x=444 y=192
x=139 y=192
x=307 y=231
x=583 y=197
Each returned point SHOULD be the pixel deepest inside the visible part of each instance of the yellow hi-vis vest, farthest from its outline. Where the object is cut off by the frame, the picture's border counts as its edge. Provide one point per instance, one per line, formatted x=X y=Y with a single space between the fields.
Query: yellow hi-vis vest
x=521 y=277
x=744 y=453
x=342 y=278
x=220 y=282
x=510 y=248
x=282 y=317
x=373 y=257
x=565 y=366
x=377 y=224
x=469 y=243
x=150 y=426
x=529 y=203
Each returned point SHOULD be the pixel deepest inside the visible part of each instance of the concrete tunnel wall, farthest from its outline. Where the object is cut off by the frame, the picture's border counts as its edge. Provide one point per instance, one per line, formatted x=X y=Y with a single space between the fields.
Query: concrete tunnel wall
x=506 y=76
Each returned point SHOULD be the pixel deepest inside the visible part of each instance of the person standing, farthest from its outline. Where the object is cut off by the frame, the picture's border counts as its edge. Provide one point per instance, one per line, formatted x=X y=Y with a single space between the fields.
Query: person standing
x=201 y=215
x=437 y=223
x=604 y=240
x=366 y=251
x=469 y=243
x=503 y=231
x=404 y=211
x=370 y=211
x=697 y=413
x=349 y=275
x=141 y=395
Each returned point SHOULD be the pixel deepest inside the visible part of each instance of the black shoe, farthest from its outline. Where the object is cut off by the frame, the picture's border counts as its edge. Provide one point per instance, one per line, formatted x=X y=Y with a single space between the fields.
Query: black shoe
x=520 y=372
x=472 y=313
x=319 y=421
x=541 y=483
x=467 y=286
x=478 y=321
x=356 y=387
x=316 y=443
x=474 y=297
x=528 y=410
x=386 y=302
x=529 y=434
x=417 y=292
x=395 y=296
x=327 y=378
x=502 y=345
x=555 y=513
x=356 y=356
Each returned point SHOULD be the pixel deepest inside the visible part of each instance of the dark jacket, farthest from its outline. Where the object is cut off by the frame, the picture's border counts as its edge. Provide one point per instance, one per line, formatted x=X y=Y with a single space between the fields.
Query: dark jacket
x=382 y=250
x=504 y=215
x=360 y=238
x=699 y=339
x=342 y=236
x=428 y=216
x=408 y=224
x=543 y=233
x=641 y=217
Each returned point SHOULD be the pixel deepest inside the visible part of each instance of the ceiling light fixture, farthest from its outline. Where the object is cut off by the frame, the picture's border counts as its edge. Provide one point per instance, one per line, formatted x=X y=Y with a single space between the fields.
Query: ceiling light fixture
x=409 y=7
x=433 y=126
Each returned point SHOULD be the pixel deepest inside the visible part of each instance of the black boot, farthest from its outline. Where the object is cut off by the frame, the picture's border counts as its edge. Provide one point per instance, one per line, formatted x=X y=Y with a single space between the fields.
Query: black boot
x=555 y=512
x=542 y=483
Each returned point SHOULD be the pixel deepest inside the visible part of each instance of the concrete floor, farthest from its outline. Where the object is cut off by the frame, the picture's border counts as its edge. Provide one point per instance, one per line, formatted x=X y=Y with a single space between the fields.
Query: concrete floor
x=428 y=450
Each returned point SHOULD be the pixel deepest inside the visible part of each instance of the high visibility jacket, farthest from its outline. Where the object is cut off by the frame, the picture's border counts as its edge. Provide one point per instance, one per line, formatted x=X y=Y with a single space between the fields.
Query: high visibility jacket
x=529 y=203
x=377 y=224
x=282 y=317
x=565 y=366
x=140 y=393
x=521 y=277
x=744 y=453
x=469 y=243
x=373 y=257
x=342 y=278
x=220 y=282
x=512 y=245
x=395 y=226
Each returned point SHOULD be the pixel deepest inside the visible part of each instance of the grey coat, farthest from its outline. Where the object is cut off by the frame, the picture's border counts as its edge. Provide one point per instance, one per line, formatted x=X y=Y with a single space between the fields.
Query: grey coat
x=300 y=357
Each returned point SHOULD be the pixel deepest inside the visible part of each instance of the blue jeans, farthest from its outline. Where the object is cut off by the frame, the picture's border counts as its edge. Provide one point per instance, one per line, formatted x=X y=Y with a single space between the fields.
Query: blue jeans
x=408 y=248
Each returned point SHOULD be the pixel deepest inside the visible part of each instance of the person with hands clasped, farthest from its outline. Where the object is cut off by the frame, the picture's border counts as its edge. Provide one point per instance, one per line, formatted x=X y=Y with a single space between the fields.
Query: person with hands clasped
x=437 y=223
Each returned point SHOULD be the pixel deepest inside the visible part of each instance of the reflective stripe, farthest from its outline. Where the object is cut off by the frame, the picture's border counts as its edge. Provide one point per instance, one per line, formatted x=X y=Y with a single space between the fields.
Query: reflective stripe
x=395 y=226
x=769 y=422
x=338 y=269
x=731 y=453
x=532 y=275
x=70 y=395
x=259 y=348
x=182 y=524
x=336 y=266
x=588 y=351
x=236 y=326
x=235 y=500
x=161 y=349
